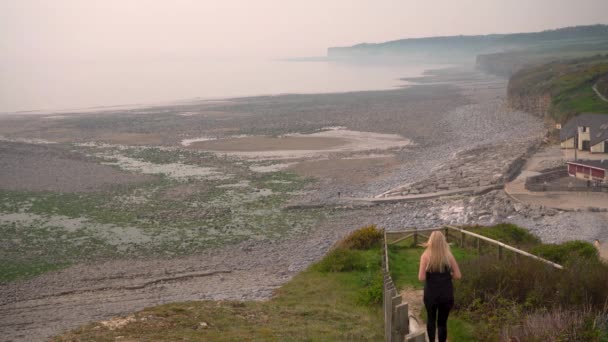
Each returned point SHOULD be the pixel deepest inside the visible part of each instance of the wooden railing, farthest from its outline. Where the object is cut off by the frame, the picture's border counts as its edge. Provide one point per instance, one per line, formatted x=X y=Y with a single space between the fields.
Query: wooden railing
x=460 y=237
x=396 y=313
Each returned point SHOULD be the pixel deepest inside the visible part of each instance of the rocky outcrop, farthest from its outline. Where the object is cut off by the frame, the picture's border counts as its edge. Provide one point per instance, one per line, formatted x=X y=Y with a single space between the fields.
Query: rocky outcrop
x=539 y=105
x=481 y=167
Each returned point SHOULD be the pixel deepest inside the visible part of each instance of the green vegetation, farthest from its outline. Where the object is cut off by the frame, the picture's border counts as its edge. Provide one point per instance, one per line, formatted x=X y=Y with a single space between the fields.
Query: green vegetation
x=363 y=238
x=507 y=233
x=567 y=251
x=518 y=298
x=514 y=298
x=330 y=301
x=602 y=86
x=164 y=217
x=562 y=89
x=339 y=298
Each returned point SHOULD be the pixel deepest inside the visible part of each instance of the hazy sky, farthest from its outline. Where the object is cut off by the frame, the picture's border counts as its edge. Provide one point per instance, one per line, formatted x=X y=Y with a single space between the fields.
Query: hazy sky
x=93 y=29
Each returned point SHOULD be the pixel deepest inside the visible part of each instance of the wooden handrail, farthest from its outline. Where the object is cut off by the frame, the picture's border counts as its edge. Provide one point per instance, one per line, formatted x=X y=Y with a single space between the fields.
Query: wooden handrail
x=481 y=237
x=386 y=253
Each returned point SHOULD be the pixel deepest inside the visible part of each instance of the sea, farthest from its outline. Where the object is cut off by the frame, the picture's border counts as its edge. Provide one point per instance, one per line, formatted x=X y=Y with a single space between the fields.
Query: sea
x=56 y=86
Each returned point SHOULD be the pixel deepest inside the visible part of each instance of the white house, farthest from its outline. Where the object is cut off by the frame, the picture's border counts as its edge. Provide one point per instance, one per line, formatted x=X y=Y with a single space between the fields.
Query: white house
x=588 y=132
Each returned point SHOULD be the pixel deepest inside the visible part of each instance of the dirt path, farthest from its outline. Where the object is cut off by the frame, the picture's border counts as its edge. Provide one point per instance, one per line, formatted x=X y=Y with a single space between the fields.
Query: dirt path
x=599 y=94
x=413 y=298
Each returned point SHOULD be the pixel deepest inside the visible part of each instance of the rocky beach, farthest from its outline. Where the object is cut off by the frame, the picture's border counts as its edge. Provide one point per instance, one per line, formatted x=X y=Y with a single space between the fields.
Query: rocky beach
x=261 y=188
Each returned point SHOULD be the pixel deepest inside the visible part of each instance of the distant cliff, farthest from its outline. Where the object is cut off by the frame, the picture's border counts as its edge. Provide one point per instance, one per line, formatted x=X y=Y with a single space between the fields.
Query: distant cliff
x=458 y=48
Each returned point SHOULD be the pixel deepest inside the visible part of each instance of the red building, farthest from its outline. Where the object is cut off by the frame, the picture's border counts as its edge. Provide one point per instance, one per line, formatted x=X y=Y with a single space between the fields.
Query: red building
x=593 y=170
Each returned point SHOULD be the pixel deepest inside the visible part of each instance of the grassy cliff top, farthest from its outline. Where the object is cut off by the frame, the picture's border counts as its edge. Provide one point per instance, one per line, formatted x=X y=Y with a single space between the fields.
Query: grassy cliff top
x=569 y=84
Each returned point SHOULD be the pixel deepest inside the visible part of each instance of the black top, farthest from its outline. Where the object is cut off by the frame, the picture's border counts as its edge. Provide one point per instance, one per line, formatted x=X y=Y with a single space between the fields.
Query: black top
x=438 y=288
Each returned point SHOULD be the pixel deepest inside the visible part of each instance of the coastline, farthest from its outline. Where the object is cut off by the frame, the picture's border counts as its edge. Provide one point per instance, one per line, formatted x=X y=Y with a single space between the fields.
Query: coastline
x=448 y=122
x=385 y=83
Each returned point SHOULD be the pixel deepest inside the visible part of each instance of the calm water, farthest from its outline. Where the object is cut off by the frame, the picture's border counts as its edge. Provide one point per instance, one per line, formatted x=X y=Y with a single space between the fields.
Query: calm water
x=64 y=86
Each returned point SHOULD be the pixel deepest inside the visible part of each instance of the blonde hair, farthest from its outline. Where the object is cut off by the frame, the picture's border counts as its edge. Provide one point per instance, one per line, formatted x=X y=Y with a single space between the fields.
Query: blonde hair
x=438 y=252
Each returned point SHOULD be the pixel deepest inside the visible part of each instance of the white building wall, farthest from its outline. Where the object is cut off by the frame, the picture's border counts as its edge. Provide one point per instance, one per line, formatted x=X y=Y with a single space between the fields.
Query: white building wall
x=599 y=148
x=569 y=143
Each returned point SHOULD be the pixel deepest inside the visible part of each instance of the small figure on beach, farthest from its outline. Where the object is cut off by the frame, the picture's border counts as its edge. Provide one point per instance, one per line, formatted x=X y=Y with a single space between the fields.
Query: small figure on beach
x=437 y=269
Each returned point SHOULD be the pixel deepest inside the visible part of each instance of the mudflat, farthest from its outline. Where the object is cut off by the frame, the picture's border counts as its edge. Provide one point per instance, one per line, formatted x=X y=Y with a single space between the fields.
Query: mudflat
x=35 y=167
x=261 y=143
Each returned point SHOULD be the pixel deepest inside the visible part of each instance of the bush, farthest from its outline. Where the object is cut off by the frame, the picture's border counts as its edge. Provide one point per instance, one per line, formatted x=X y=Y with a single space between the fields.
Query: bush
x=562 y=253
x=342 y=260
x=507 y=233
x=559 y=325
x=364 y=238
x=497 y=292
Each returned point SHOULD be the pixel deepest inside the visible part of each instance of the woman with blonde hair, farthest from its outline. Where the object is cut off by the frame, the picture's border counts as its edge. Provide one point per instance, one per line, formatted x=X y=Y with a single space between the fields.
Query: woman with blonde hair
x=437 y=269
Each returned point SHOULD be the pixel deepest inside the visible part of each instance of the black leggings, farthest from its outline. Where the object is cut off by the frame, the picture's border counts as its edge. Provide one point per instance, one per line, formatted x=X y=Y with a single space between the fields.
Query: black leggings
x=437 y=313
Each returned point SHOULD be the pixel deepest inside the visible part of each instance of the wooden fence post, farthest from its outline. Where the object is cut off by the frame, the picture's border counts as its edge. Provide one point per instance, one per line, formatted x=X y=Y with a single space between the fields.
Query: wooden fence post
x=387 y=308
x=391 y=294
x=401 y=321
x=395 y=301
x=416 y=238
x=419 y=336
x=499 y=252
x=479 y=245
x=446 y=234
x=462 y=235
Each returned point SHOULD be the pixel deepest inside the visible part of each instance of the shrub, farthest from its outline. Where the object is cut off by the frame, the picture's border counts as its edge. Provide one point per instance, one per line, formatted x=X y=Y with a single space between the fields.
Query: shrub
x=496 y=293
x=559 y=325
x=562 y=253
x=342 y=260
x=581 y=284
x=364 y=238
x=507 y=233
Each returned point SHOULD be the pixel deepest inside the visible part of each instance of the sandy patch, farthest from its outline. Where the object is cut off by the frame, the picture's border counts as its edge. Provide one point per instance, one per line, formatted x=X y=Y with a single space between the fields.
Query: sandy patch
x=132 y=138
x=270 y=168
x=263 y=144
x=296 y=146
x=55 y=117
x=188 y=142
x=347 y=171
x=211 y=114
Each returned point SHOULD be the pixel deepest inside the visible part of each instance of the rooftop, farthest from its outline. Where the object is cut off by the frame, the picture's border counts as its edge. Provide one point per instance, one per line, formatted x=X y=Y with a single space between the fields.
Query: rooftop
x=602 y=164
x=597 y=122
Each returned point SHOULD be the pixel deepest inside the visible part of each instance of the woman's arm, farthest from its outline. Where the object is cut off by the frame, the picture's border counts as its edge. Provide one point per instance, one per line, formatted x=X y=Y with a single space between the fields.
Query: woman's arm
x=424 y=262
x=455 y=269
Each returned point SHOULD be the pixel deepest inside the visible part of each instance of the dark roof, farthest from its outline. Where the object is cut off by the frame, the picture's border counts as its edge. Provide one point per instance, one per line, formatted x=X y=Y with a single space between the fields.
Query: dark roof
x=597 y=122
x=601 y=164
